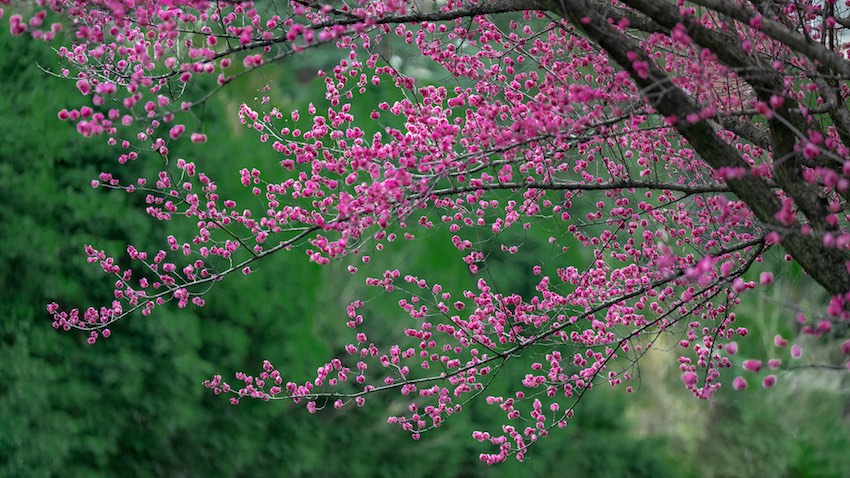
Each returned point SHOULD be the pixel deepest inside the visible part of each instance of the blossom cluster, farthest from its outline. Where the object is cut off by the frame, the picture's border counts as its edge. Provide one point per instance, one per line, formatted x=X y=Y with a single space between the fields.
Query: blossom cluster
x=541 y=131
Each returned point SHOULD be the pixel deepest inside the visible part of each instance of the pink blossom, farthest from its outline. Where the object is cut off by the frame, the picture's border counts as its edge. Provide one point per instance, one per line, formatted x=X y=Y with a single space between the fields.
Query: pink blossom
x=810 y=151
x=739 y=383
x=752 y=365
x=768 y=381
x=176 y=131
x=84 y=86
x=652 y=226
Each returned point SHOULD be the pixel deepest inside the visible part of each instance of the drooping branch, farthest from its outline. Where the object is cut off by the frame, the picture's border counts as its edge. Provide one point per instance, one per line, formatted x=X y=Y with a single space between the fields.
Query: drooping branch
x=756 y=246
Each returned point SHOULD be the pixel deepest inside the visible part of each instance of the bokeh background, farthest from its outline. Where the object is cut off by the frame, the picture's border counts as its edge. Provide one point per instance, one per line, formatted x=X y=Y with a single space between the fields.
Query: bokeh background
x=134 y=405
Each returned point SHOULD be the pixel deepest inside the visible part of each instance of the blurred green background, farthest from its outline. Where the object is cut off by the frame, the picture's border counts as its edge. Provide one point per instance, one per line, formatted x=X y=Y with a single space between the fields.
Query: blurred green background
x=134 y=405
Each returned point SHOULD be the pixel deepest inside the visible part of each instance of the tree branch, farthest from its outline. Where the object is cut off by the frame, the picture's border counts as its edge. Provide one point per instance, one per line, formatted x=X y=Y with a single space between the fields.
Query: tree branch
x=482 y=8
x=577 y=186
x=819 y=261
x=782 y=34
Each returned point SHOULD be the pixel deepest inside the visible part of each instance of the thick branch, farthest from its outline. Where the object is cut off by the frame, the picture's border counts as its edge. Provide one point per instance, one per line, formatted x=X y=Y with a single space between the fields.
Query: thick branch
x=637 y=20
x=765 y=82
x=837 y=108
x=782 y=34
x=726 y=47
x=788 y=172
x=746 y=130
x=822 y=263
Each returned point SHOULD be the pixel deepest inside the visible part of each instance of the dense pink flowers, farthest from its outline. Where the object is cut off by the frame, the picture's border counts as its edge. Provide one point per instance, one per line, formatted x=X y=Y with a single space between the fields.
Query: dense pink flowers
x=641 y=216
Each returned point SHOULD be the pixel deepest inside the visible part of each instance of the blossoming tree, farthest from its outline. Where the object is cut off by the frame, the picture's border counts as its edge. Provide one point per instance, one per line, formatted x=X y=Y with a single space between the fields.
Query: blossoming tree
x=697 y=135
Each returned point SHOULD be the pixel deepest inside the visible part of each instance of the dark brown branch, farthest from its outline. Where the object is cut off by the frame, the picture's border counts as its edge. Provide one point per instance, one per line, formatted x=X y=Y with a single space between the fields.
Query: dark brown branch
x=637 y=20
x=575 y=186
x=765 y=81
x=782 y=34
x=836 y=107
x=726 y=47
x=788 y=171
x=822 y=263
x=488 y=7
x=746 y=130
